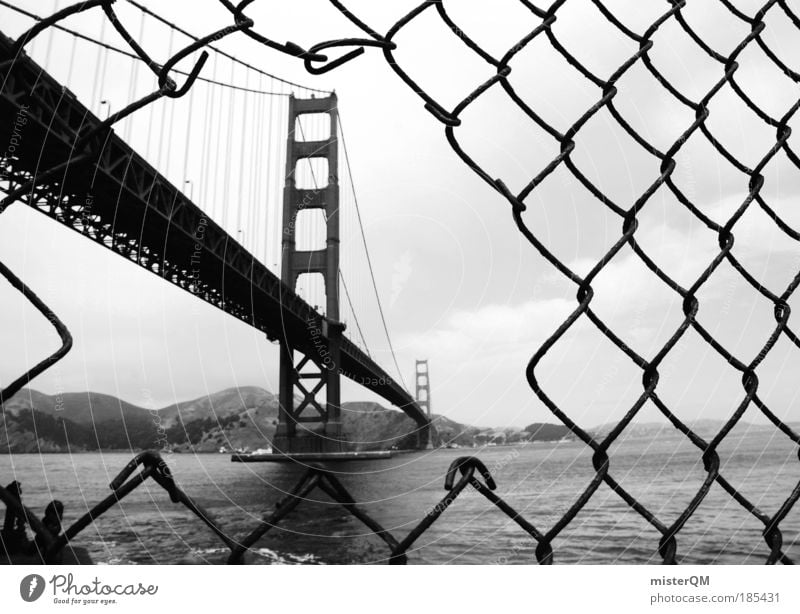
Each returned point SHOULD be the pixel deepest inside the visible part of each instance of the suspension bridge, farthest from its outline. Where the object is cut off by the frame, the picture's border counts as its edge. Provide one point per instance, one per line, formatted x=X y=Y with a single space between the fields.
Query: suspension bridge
x=191 y=189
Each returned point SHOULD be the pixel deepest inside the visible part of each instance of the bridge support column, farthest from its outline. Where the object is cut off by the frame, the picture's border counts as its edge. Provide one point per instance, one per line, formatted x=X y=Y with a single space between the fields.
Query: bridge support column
x=423 y=398
x=311 y=420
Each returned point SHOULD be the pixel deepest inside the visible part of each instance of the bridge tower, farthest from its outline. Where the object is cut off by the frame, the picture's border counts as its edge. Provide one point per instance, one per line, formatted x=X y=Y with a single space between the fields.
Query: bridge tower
x=423 y=395
x=310 y=424
x=423 y=398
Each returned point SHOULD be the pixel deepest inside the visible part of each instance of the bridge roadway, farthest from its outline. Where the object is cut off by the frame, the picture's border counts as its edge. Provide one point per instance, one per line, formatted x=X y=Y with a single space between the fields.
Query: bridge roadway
x=120 y=201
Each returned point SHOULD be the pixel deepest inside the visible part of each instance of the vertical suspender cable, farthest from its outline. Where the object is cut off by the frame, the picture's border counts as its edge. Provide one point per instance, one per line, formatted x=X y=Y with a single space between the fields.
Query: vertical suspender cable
x=226 y=214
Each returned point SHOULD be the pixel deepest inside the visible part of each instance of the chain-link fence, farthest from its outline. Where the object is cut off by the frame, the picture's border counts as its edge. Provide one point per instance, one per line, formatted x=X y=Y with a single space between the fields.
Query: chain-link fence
x=502 y=81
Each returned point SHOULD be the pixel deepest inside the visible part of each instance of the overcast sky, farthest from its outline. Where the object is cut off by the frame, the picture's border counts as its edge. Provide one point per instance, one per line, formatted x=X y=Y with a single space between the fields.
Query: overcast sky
x=460 y=286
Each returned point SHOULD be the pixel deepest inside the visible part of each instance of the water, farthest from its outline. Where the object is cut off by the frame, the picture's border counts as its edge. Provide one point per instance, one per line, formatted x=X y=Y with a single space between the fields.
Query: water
x=541 y=481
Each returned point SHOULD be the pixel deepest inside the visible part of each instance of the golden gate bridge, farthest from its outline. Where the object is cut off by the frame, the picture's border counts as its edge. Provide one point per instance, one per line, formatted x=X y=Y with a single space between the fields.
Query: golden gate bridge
x=235 y=187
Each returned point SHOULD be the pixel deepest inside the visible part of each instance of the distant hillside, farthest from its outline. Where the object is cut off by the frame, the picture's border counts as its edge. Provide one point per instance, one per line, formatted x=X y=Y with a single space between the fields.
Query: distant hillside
x=79 y=407
x=548 y=432
x=450 y=432
x=223 y=404
x=31 y=430
x=234 y=419
x=705 y=428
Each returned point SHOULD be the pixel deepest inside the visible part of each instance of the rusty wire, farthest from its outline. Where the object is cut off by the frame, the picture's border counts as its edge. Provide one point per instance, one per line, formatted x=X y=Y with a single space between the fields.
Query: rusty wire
x=317 y=63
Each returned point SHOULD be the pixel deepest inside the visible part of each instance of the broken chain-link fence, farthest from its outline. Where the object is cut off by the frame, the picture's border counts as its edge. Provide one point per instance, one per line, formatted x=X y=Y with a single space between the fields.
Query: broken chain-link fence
x=501 y=80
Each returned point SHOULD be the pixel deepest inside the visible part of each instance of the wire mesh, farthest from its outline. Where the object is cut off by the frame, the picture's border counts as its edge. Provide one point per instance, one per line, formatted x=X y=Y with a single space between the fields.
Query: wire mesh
x=502 y=80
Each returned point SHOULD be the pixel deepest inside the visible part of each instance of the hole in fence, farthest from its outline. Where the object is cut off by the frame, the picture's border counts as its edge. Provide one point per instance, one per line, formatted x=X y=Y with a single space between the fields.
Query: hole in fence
x=650 y=110
x=576 y=227
x=696 y=383
x=780 y=35
x=708 y=180
x=743 y=533
x=657 y=464
x=588 y=376
x=613 y=161
x=777 y=387
x=719 y=29
x=765 y=251
x=681 y=62
x=675 y=239
x=591 y=39
x=513 y=148
x=438 y=60
x=782 y=178
x=636 y=304
x=637 y=16
x=764 y=83
x=550 y=86
x=735 y=313
x=494 y=27
x=738 y=129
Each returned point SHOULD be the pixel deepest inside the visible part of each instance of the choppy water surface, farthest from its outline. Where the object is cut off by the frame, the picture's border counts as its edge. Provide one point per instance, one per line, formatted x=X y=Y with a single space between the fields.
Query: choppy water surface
x=540 y=480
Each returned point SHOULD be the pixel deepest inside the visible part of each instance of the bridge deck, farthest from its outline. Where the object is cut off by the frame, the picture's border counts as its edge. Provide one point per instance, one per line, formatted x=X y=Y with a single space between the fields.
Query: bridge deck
x=119 y=200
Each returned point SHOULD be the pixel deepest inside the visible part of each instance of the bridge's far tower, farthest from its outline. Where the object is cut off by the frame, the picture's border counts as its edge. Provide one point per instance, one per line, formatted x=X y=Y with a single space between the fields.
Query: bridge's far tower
x=310 y=424
x=423 y=395
x=429 y=438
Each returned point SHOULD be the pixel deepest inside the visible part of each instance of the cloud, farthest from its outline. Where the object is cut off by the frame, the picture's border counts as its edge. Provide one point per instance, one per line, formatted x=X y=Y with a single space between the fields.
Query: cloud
x=491 y=331
x=401 y=273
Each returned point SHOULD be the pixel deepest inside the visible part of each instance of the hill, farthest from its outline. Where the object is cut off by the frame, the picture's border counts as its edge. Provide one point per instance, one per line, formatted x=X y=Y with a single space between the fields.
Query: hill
x=235 y=419
x=242 y=418
x=79 y=407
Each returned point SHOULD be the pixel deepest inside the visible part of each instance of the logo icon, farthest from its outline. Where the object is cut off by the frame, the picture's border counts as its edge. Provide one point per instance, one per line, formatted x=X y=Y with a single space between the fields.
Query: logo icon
x=31 y=587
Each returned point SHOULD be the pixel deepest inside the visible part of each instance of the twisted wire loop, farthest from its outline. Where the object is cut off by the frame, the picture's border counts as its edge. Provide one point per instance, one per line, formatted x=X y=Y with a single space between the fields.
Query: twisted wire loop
x=467 y=466
x=451 y=118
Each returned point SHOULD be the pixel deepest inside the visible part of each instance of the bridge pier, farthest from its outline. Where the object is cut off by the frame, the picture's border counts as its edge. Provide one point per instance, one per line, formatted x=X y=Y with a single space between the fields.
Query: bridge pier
x=309 y=385
x=316 y=376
